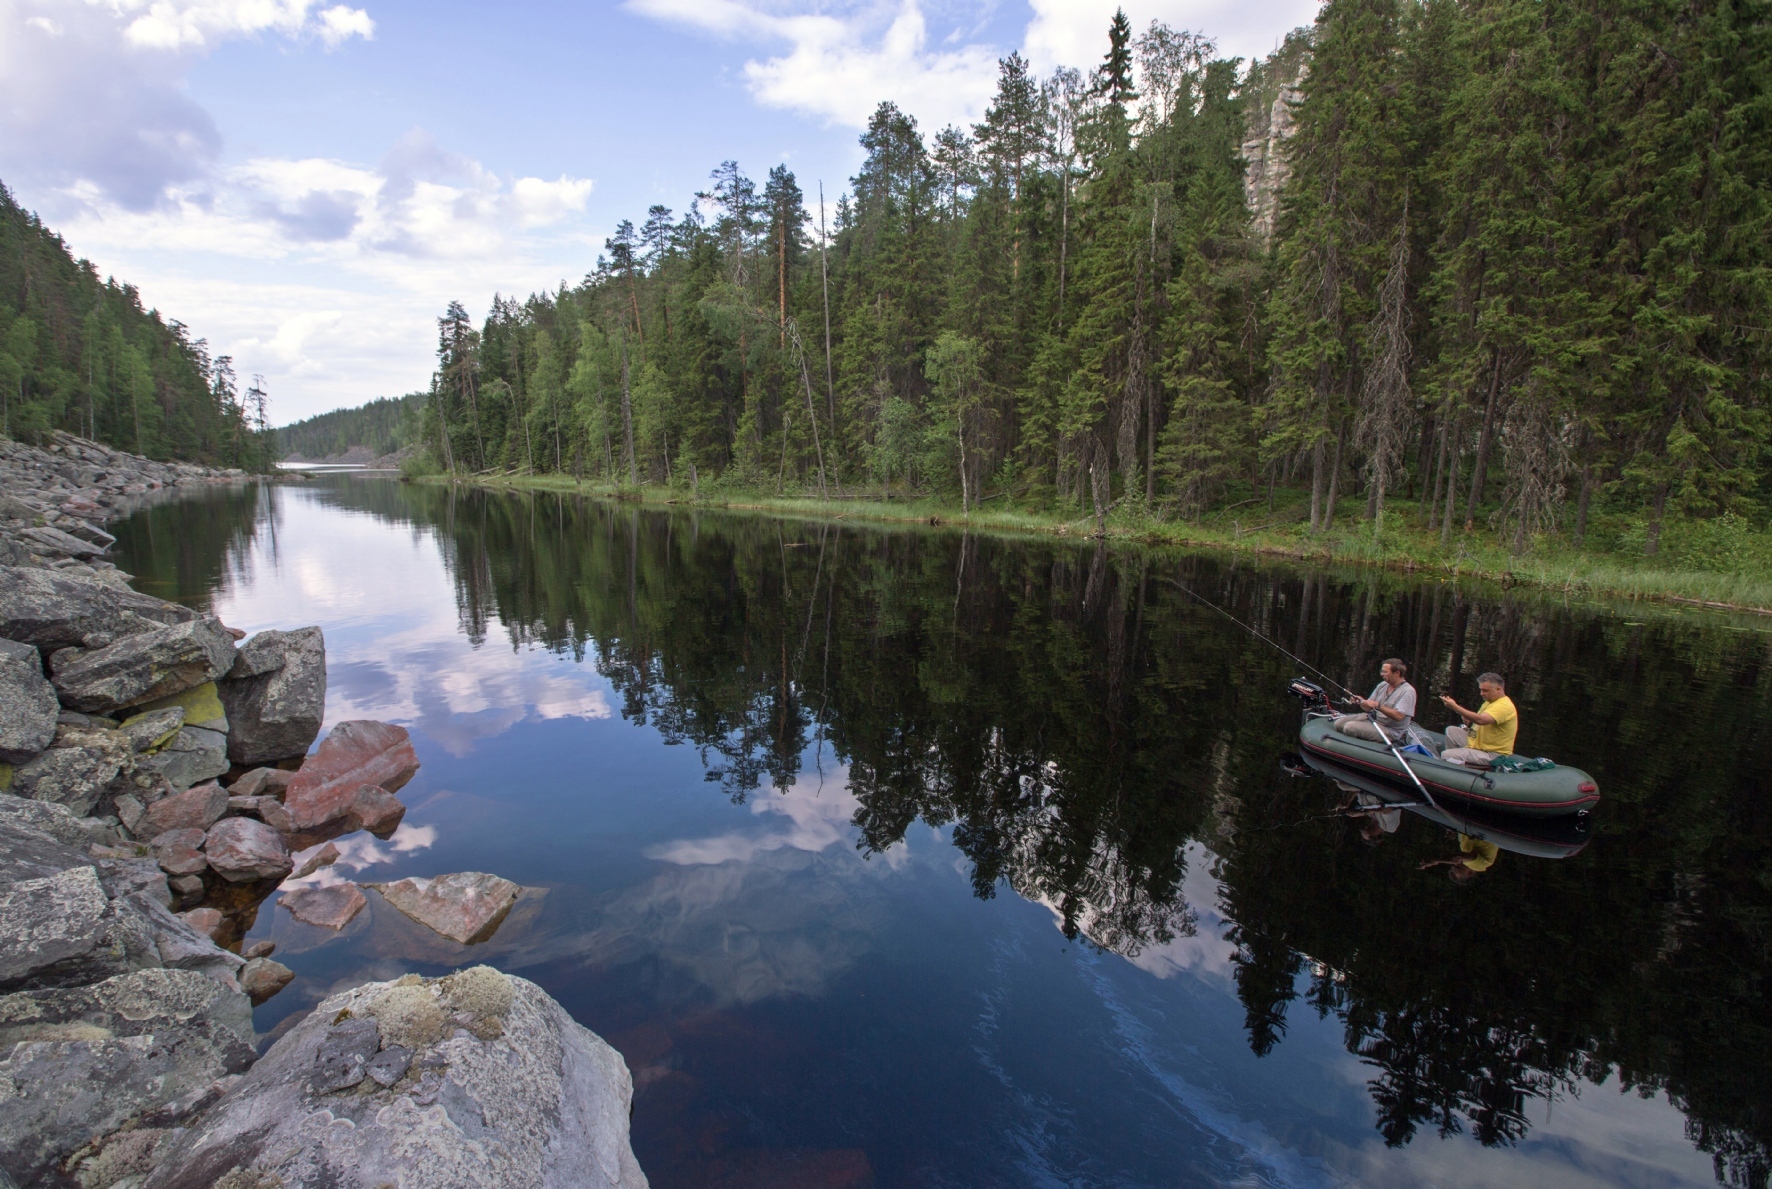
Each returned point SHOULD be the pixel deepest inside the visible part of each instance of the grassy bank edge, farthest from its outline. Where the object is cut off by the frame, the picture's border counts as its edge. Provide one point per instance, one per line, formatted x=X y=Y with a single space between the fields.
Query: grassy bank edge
x=1403 y=549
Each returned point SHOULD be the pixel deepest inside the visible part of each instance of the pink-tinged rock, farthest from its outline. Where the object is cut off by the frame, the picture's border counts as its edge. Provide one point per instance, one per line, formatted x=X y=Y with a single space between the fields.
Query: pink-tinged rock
x=330 y=908
x=206 y=921
x=194 y=809
x=259 y=949
x=262 y=782
x=262 y=978
x=268 y=810
x=376 y=810
x=190 y=838
x=467 y=906
x=353 y=754
x=179 y=852
x=242 y=849
x=326 y=856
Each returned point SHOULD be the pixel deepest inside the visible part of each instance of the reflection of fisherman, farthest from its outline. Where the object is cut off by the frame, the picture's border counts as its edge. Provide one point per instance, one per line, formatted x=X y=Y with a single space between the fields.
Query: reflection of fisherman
x=1496 y=723
x=1377 y=817
x=1475 y=854
x=1394 y=700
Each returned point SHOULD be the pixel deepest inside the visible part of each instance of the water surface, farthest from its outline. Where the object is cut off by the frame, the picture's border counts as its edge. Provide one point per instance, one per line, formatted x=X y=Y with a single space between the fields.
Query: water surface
x=923 y=858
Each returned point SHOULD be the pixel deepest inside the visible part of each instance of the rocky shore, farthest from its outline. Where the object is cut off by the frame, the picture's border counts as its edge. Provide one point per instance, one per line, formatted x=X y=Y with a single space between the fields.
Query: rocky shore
x=156 y=787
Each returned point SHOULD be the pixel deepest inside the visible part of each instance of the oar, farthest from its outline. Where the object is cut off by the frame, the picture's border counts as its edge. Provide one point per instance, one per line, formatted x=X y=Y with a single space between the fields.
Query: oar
x=1390 y=743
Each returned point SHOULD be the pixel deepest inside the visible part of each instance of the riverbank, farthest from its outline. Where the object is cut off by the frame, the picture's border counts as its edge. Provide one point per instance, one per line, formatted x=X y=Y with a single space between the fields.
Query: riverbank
x=1734 y=574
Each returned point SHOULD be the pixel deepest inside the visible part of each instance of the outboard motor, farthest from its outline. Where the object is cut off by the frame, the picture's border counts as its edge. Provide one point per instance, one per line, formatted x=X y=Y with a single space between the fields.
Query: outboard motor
x=1310 y=695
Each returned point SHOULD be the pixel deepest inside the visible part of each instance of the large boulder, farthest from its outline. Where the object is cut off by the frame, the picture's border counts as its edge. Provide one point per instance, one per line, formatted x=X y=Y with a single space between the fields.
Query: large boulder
x=191 y=756
x=476 y=1078
x=243 y=849
x=58 y=925
x=27 y=703
x=57 y=821
x=194 y=809
x=143 y=667
x=76 y=770
x=53 y=609
x=275 y=695
x=144 y=1049
x=352 y=755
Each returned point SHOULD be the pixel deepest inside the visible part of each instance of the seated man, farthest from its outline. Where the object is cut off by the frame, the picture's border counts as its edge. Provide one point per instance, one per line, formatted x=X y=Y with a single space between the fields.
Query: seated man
x=1496 y=723
x=1475 y=855
x=1394 y=700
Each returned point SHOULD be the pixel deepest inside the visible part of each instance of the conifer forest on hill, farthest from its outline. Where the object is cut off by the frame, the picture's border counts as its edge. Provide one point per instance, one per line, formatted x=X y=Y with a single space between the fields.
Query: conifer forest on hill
x=82 y=355
x=1506 y=260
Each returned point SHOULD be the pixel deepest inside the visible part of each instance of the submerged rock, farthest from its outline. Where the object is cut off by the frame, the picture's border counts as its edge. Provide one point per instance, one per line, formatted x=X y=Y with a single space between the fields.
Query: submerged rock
x=146 y=1048
x=275 y=695
x=243 y=848
x=346 y=1098
x=144 y=667
x=326 y=856
x=262 y=978
x=376 y=810
x=28 y=708
x=330 y=908
x=466 y=906
x=352 y=754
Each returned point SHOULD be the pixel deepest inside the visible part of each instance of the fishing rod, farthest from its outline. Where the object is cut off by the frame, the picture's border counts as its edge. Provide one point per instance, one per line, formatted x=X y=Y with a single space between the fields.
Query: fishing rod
x=1264 y=639
x=1289 y=655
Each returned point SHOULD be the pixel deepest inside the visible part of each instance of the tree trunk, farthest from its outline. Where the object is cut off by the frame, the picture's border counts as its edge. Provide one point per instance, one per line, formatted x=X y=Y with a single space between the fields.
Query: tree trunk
x=830 y=383
x=1317 y=485
x=1451 y=494
x=627 y=415
x=1581 y=502
x=1652 y=545
x=1484 y=441
x=1098 y=488
x=1335 y=478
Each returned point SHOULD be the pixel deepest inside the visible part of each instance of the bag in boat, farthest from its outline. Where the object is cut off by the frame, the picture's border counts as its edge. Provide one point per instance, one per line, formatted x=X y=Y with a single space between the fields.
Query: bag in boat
x=1520 y=764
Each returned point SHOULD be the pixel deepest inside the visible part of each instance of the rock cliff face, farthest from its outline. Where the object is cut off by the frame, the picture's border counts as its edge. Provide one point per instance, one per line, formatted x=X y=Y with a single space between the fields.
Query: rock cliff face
x=137 y=841
x=1274 y=85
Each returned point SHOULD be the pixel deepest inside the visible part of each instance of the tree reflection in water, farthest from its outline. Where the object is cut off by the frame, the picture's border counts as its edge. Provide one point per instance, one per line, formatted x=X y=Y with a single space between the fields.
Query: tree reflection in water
x=1078 y=721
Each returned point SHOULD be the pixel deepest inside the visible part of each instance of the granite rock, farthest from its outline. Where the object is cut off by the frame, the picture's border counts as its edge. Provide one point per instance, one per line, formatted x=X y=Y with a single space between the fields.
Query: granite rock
x=57 y=821
x=262 y=978
x=144 y=1049
x=155 y=729
x=51 y=609
x=543 y=1104
x=242 y=849
x=376 y=810
x=353 y=754
x=194 y=809
x=144 y=667
x=329 y=907
x=28 y=708
x=76 y=771
x=466 y=906
x=275 y=695
x=192 y=756
x=262 y=782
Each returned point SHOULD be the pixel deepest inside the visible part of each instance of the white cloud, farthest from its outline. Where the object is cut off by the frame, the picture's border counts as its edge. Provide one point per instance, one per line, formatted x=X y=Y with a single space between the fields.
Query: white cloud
x=1074 y=32
x=339 y=24
x=839 y=68
x=170 y=25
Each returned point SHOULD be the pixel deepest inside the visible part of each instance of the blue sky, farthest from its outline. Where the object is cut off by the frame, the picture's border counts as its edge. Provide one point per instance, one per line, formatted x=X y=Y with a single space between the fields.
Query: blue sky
x=309 y=184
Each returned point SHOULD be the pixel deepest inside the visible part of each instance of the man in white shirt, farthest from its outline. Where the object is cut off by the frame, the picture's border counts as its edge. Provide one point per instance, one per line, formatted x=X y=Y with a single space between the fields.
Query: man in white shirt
x=1393 y=698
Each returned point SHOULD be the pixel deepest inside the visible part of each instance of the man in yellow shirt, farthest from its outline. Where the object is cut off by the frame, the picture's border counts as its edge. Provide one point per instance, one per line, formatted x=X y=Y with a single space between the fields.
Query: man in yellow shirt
x=1475 y=855
x=1496 y=723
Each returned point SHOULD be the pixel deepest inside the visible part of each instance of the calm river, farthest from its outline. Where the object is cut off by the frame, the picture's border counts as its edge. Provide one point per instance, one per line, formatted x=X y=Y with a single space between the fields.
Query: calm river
x=904 y=858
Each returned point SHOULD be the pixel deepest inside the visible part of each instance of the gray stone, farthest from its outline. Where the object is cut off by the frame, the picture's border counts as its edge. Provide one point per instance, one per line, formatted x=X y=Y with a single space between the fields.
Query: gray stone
x=28 y=708
x=343 y=1055
x=76 y=770
x=275 y=695
x=154 y=729
x=191 y=757
x=390 y=1065
x=57 y=821
x=135 y=877
x=544 y=1104
x=144 y=667
x=268 y=810
x=129 y=810
x=145 y=1048
x=55 y=541
x=62 y=930
x=65 y=608
x=259 y=949
x=242 y=849
x=183 y=947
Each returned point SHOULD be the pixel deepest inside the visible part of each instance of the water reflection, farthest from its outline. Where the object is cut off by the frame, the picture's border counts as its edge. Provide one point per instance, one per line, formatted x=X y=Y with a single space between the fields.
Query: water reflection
x=1087 y=737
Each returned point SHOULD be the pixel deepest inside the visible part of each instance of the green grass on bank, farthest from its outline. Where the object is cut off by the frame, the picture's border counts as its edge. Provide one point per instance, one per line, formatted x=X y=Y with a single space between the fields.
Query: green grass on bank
x=1724 y=564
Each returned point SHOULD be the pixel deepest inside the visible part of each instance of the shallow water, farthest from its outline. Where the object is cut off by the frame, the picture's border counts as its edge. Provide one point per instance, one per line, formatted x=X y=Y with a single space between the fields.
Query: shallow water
x=917 y=858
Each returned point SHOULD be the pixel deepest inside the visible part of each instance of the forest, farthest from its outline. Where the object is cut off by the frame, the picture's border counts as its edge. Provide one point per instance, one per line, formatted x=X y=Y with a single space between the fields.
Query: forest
x=1498 y=263
x=383 y=425
x=81 y=354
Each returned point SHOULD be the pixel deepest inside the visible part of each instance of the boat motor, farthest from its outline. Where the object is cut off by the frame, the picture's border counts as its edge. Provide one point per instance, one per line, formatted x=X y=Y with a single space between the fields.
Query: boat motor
x=1310 y=694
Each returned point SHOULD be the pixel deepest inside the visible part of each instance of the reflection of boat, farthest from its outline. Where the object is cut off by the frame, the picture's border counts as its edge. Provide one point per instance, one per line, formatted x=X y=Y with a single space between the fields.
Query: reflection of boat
x=1556 y=837
x=1551 y=792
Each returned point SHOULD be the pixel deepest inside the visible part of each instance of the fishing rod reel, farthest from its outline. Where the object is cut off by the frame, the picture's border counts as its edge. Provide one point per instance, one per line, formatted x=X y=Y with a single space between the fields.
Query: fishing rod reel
x=1310 y=695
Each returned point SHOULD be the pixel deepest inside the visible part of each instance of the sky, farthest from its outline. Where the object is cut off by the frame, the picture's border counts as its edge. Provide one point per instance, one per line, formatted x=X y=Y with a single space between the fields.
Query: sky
x=307 y=185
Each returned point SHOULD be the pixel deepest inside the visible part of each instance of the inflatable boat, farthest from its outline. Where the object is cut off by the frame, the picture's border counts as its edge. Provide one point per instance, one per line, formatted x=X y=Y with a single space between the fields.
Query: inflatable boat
x=1551 y=791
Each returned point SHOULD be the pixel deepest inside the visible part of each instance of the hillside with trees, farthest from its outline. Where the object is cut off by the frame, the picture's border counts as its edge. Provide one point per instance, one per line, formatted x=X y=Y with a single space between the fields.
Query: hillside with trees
x=78 y=353
x=1500 y=264
x=383 y=426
